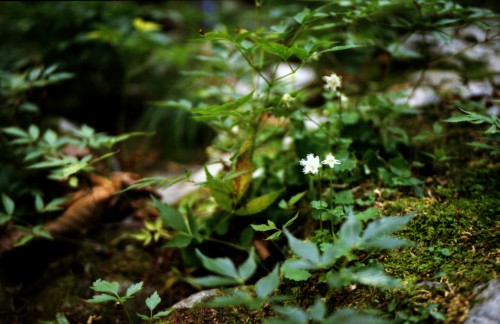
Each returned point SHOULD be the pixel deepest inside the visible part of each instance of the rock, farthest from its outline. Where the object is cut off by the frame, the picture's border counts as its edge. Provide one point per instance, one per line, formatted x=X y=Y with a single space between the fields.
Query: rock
x=199 y=297
x=487 y=309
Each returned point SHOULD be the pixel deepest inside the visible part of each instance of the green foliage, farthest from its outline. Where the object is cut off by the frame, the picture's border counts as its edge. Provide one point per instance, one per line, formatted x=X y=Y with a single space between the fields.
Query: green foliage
x=492 y=134
x=110 y=292
x=227 y=273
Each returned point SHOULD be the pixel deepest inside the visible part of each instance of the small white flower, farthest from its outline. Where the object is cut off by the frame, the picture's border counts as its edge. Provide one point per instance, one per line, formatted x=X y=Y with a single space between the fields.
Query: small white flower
x=311 y=165
x=287 y=100
x=332 y=81
x=330 y=160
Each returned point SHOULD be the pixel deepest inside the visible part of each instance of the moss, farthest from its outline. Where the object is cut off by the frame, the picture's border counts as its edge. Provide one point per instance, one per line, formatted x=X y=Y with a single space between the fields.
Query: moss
x=456 y=244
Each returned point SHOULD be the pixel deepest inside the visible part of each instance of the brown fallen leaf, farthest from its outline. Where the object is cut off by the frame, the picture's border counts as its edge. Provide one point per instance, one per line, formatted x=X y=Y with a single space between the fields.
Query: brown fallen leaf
x=88 y=207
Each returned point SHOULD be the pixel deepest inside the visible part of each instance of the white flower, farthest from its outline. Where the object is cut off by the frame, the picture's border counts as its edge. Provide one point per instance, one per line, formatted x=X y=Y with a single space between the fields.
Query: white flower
x=333 y=82
x=330 y=160
x=287 y=100
x=311 y=165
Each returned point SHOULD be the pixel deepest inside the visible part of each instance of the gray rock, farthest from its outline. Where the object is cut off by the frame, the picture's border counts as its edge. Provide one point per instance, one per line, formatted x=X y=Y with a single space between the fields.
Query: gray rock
x=487 y=309
x=199 y=297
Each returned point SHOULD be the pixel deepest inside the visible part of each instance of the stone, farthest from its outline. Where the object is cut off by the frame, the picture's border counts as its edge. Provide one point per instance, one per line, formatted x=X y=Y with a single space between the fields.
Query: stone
x=487 y=308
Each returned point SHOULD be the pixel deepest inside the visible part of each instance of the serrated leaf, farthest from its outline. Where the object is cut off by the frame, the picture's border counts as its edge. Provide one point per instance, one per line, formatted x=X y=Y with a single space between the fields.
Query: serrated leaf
x=266 y=285
x=132 y=289
x=384 y=226
x=350 y=230
x=344 y=197
x=290 y=272
x=171 y=216
x=318 y=310
x=376 y=277
x=291 y=220
x=143 y=317
x=104 y=286
x=101 y=299
x=368 y=214
x=214 y=281
x=153 y=301
x=179 y=241
x=227 y=109
x=386 y=242
x=305 y=250
x=162 y=313
x=247 y=268
x=222 y=266
x=8 y=204
x=292 y=314
x=263 y=227
x=259 y=204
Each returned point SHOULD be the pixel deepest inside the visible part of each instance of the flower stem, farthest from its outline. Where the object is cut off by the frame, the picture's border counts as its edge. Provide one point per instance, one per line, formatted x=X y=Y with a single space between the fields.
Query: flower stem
x=319 y=199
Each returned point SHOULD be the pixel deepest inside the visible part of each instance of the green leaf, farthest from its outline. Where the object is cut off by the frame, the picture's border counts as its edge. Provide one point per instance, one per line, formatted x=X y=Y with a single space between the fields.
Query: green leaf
x=41 y=232
x=258 y=204
x=368 y=214
x=132 y=289
x=8 y=204
x=318 y=311
x=171 y=216
x=23 y=240
x=61 y=319
x=15 y=131
x=295 y=274
x=34 y=132
x=247 y=268
x=153 y=301
x=276 y=49
x=266 y=285
x=263 y=227
x=376 y=277
x=162 y=313
x=214 y=281
x=296 y=198
x=227 y=109
x=340 y=48
x=38 y=203
x=101 y=299
x=344 y=197
x=305 y=250
x=104 y=286
x=222 y=266
x=386 y=242
x=303 y=15
x=143 y=317
x=291 y=220
x=179 y=241
x=352 y=316
x=4 y=218
x=384 y=226
x=350 y=230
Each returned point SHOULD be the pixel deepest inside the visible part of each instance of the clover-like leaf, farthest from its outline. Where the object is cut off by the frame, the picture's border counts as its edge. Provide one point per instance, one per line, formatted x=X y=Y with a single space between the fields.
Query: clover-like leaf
x=104 y=286
x=153 y=301
x=132 y=289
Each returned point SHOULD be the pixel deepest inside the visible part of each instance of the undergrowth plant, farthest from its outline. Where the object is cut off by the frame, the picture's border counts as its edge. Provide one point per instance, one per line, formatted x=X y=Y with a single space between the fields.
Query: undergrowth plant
x=269 y=123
